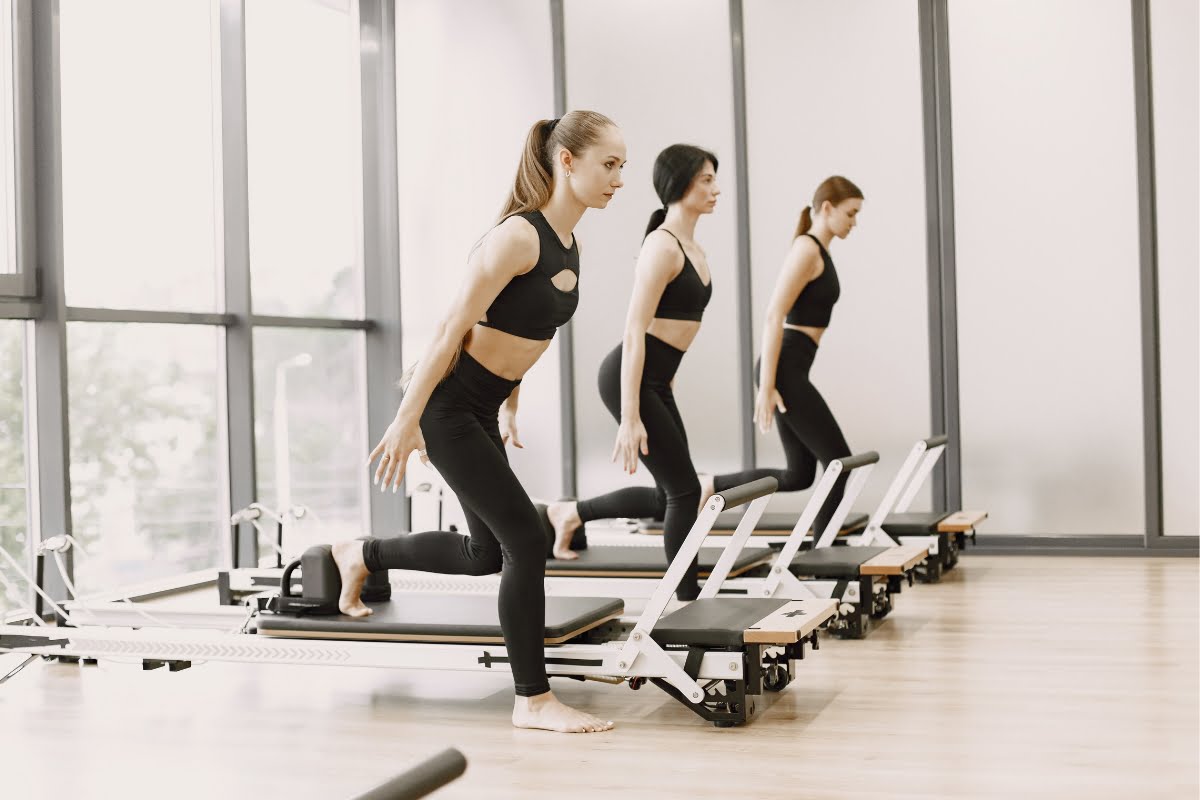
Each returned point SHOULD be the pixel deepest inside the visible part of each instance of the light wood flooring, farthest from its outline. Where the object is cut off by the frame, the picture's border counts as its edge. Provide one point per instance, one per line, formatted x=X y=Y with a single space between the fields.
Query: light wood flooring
x=1014 y=677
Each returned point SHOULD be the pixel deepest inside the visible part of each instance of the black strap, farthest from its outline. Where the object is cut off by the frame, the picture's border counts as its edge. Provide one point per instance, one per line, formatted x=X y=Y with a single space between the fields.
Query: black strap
x=692 y=665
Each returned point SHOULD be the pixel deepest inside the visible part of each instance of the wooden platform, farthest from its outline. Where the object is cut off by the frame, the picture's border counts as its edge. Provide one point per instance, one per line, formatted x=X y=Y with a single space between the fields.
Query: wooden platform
x=896 y=561
x=962 y=521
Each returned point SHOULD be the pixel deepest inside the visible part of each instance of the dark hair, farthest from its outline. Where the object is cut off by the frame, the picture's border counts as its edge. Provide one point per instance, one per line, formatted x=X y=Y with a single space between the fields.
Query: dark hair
x=534 y=183
x=835 y=189
x=674 y=170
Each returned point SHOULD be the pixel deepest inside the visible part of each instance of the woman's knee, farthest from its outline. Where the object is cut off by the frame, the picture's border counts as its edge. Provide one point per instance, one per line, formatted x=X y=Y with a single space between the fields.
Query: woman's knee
x=683 y=491
x=484 y=559
x=794 y=480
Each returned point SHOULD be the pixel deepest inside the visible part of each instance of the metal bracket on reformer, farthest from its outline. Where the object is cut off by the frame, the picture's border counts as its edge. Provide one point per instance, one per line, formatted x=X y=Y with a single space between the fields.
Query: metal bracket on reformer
x=904 y=487
x=640 y=644
x=124 y=613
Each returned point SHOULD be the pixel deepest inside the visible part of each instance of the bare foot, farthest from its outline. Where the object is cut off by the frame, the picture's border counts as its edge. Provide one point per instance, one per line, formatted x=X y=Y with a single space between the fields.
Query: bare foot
x=349 y=559
x=707 y=489
x=546 y=713
x=564 y=516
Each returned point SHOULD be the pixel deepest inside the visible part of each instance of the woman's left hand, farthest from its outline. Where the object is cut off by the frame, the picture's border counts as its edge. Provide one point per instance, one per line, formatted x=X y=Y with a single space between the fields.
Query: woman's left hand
x=508 y=428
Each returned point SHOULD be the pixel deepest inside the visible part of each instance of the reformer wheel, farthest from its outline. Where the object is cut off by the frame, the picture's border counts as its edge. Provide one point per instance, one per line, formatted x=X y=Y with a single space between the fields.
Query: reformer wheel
x=776 y=678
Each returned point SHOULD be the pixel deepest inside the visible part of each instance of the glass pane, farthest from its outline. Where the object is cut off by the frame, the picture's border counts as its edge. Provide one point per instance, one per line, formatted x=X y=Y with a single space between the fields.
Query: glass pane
x=684 y=45
x=882 y=265
x=147 y=473
x=139 y=198
x=14 y=515
x=1176 y=71
x=8 y=261
x=310 y=431
x=1045 y=185
x=494 y=58
x=305 y=165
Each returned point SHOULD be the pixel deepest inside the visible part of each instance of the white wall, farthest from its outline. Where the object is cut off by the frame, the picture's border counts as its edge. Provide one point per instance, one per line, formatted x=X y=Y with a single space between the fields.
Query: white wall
x=835 y=88
x=1175 y=68
x=1047 y=257
x=662 y=71
x=471 y=79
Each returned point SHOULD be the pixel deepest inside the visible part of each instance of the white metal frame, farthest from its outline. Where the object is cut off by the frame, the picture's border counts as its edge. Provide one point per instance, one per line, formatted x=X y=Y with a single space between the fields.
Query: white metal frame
x=912 y=474
x=780 y=582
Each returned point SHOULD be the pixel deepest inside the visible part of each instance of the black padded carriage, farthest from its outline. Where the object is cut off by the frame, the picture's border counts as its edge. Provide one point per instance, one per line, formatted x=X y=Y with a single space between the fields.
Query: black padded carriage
x=914 y=523
x=834 y=562
x=647 y=562
x=442 y=618
x=714 y=622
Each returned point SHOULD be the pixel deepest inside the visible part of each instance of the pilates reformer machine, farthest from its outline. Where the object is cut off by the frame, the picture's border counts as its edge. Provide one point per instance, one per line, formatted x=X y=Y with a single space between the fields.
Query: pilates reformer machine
x=716 y=656
x=862 y=580
x=944 y=533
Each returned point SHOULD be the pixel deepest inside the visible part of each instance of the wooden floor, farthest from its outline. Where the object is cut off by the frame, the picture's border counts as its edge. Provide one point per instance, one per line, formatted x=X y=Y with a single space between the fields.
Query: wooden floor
x=1015 y=677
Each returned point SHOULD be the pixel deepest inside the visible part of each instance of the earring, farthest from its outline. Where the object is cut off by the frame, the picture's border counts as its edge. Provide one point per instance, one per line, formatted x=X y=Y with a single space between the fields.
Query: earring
x=568 y=173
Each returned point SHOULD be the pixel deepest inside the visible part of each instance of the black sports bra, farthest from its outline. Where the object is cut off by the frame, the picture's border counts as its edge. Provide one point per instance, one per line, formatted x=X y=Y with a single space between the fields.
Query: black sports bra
x=814 y=306
x=686 y=296
x=531 y=306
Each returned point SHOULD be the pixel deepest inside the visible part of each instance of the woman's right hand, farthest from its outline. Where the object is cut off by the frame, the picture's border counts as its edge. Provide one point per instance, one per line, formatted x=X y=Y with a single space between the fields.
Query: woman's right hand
x=766 y=403
x=631 y=440
x=399 y=440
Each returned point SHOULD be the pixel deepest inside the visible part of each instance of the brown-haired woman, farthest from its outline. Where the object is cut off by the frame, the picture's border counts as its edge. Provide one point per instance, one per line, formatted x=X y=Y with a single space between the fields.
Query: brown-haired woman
x=461 y=402
x=797 y=316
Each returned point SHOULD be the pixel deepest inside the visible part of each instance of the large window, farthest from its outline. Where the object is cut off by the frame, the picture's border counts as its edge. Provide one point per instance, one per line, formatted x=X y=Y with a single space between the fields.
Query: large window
x=1045 y=192
x=14 y=514
x=310 y=431
x=1175 y=67
x=139 y=201
x=870 y=71
x=147 y=478
x=458 y=61
x=304 y=155
x=8 y=261
x=672 y=82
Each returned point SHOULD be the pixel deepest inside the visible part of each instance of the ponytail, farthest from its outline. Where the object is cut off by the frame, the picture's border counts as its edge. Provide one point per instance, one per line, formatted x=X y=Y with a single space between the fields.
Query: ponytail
x=535 y=174
x=657 y=218
x=805 y=224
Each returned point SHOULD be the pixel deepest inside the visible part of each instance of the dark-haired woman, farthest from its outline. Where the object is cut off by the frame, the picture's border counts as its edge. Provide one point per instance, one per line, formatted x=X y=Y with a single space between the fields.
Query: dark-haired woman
x=797 y=316
x=672 y=286
x=521 y=286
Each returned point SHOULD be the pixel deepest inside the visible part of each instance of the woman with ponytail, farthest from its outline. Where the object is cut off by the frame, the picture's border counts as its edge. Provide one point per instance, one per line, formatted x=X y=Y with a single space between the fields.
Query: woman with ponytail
x=672 y=285
x=797 y=316
x=459 y=407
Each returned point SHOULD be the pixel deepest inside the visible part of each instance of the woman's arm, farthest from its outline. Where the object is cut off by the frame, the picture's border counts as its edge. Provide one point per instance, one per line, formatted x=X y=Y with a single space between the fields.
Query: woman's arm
x=658 y=263
x=508 y=419
x=799 y=269
x=510 y=250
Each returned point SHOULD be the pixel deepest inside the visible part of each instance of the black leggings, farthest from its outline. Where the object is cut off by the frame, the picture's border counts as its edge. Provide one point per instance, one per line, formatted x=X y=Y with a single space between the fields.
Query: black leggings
x=462 y=438
x=808 y=430
x=676 y=493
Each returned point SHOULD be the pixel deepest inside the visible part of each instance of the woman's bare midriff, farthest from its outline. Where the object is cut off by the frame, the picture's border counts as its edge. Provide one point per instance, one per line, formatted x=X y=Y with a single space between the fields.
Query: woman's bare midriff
x=812 y=333
x=503 y=354
x=679 y=333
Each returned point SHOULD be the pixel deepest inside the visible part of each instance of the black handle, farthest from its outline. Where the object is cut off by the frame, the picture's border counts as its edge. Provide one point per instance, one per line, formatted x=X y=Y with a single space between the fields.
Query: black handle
x=859 y=460
x=936 y=441
x=739 y=495
x=422 y=779
x=285 y=583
